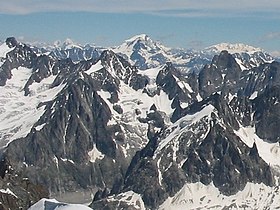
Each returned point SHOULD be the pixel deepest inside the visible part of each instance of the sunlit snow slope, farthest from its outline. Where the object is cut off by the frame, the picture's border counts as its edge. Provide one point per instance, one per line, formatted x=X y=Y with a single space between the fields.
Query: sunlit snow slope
x=51 y=204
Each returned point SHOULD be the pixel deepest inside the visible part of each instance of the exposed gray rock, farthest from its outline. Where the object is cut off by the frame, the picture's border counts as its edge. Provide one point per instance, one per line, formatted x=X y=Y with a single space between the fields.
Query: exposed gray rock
x=267 y=118
x=78 y=122
x=18 y=192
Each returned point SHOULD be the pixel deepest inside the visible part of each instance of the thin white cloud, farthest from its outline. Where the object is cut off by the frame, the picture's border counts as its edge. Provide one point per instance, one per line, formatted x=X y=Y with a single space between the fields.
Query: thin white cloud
x=196 y=44
x=179 y=7
x=275 y=54
x=272 y=35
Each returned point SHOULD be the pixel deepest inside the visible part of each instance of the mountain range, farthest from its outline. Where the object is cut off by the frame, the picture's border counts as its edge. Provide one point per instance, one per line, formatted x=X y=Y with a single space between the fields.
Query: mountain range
x=138 y=126
x=144 y=53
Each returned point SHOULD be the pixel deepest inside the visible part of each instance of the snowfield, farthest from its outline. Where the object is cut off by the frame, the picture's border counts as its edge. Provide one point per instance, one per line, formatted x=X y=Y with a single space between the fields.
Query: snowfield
x=198 y=196
x=52 y=204
x=18 y=113
x=4 y=49
x=269 y=152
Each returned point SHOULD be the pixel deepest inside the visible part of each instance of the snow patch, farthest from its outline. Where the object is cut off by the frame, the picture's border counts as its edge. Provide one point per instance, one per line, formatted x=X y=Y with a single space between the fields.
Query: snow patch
x=159 y=172
x=183 y=85
x=95 y=67
x=230 y=96
x=19 y=113
x=131 y=100
x=95 y=154
x=131 y=198
x=241 y=65
x=184 y=104
x=254 y=95
x=8 y=191
x=67 y=160
x=4 y=49
x=199 y=196
x=40 y=205
x=151 y=73
x=269 y=152
x=44 y=203
x=40 y=127
x=199 y=98
x=182 y=123
x=73 y=207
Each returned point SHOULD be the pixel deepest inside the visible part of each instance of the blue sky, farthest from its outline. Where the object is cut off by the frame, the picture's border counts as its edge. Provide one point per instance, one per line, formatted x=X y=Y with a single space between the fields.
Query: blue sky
x=175 y=23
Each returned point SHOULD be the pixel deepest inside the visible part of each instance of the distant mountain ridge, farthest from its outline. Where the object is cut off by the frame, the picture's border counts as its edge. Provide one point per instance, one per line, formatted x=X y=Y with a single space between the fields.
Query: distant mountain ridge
x=144 y=53
x=233 y=48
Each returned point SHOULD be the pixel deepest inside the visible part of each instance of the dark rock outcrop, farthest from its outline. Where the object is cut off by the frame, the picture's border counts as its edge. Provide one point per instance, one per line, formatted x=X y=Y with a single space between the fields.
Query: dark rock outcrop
x=17 y=191
x=267 y=119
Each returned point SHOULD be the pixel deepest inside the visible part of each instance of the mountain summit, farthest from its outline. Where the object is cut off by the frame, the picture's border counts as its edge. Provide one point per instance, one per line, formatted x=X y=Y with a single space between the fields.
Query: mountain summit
x=143 y=52
x=144 y=39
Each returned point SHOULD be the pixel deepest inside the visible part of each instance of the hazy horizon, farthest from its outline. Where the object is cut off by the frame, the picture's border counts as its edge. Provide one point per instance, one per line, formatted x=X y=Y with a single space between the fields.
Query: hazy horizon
x=179 y=24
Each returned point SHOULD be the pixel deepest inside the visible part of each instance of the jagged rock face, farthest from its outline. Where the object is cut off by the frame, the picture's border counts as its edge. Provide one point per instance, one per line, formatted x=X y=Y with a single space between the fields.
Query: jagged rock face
x=242 y=110
x=222 y=74
x=77 y=54
x=222 y=159
x=73 y=144
x=11 y=42
x=21 y=55
x=17 y=191
x=117 y=69
x=73 y=125
x=256 y=80
x=144 y=180
x=253 y=59
x=167 y=79
x=41 y=70
x=142 y=134
x=225 y=75
x=142 y=174
x=180 y=90
x=64 y=68
x=267 y=119
x=208 y=149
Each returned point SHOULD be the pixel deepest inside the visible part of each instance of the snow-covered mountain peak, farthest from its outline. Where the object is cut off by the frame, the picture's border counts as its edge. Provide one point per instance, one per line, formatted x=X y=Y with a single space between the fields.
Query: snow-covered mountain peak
x=233 y=48
x=140 y=42
x=144 y=52
x=142 y=37
x=146 y=40
x=67 y=44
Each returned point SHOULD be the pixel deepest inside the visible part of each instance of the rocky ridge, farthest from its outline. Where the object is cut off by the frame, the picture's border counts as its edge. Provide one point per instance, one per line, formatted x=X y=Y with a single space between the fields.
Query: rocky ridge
x=205 y=143
x=137 y=134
